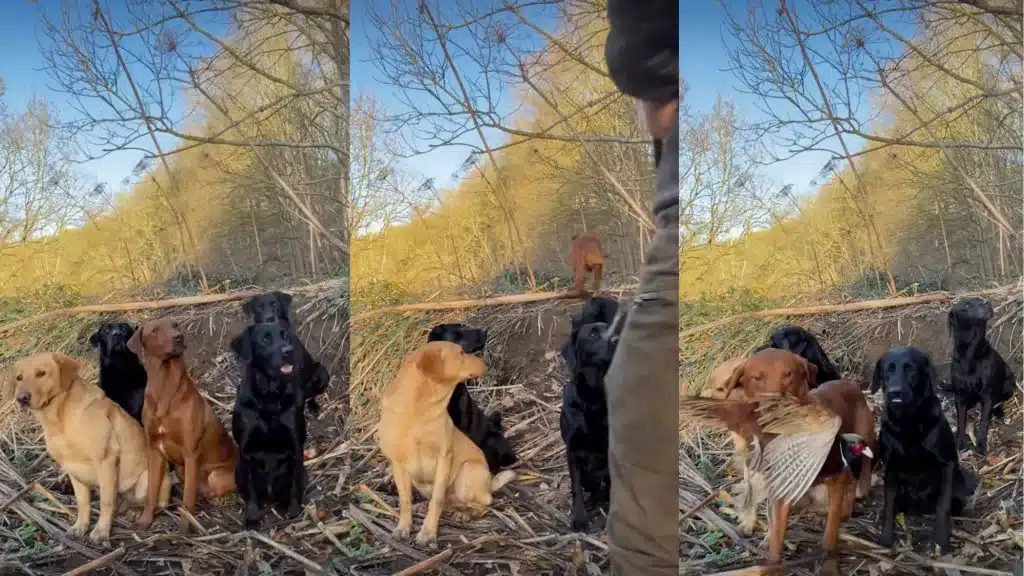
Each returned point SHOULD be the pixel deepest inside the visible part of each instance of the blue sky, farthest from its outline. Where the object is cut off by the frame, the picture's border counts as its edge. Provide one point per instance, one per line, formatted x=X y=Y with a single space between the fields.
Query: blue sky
x=704 y=65
x=441 y=163
x=21 y=69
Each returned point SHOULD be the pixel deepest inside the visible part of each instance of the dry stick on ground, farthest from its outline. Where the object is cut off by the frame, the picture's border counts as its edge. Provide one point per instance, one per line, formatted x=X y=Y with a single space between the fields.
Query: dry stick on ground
x=153 y=304
x=425 y=565
x=848 y=307
x=512 y=299
x=101 y=562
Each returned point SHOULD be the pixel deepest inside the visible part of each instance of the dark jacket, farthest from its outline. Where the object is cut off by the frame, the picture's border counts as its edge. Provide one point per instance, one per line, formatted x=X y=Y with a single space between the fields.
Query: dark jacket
x=643 y=48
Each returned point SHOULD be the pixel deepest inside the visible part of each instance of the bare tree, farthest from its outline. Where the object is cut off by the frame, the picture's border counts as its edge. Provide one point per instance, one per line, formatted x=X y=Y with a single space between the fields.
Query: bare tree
x=816 y=71
x=270 y=78
x=40 y=193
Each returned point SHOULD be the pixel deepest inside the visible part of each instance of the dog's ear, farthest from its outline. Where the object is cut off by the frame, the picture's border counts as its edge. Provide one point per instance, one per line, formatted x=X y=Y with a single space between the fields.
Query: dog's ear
x=241 y=346
x=927 y=370
x=951 y=322
x=433 y=364
x=876 y=377
x=285 y=300
x=67 y=368
x=135 y=344
x=567 y=355
x=94 y=340
x=989 y=312
x=247 y=307
x=812 y=372
x=735 y=377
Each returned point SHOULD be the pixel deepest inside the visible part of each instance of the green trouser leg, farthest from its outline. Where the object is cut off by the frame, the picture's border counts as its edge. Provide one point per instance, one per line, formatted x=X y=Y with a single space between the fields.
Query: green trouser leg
x=643 y=401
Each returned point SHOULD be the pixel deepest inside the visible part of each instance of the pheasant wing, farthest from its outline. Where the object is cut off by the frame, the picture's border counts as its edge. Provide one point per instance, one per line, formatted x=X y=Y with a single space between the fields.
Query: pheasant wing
x=735 y=415
x=792 y=460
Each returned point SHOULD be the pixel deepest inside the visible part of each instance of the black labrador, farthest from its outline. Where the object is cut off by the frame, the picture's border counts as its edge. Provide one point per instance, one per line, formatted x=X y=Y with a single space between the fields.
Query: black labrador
x=122 y=376
x=802 y=343
x=583 y=421
x=276 y=308
x=922 y=469
x=268 y=423
x=978 y=374
x=485 y=430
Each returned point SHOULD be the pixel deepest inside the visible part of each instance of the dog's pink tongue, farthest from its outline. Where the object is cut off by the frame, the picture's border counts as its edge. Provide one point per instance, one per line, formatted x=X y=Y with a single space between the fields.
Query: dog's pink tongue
x=286 y=369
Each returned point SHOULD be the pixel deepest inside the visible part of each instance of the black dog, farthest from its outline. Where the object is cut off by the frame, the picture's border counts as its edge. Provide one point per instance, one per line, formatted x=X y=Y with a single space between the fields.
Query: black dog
x=276 y=308
x=802 y=343
x=122 y=376
x=583 y=420
x=485 y=430
x=598 y=309
x=268 y=423
x=978 y=375
x=922 y=469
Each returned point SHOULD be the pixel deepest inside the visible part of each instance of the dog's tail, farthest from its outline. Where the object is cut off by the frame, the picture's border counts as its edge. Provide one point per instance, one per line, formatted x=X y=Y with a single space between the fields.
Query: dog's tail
x=502 y=478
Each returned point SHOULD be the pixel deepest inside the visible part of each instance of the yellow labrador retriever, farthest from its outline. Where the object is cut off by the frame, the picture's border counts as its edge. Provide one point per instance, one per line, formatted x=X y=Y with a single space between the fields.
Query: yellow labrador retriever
x=425 y=448
x=92 y=438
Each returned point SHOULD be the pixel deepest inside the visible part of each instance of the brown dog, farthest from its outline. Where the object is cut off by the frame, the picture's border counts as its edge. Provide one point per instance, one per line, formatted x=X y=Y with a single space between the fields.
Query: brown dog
x=769 y=371
x=95 y=441
x=585 y=256
x=425 y=448
x=180 y=425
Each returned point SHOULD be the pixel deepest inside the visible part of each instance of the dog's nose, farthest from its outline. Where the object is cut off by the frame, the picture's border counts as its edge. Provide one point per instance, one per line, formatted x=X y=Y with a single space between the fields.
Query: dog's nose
x=23 y=398
x=287 y=349
x=270 y=319
x=896 y=395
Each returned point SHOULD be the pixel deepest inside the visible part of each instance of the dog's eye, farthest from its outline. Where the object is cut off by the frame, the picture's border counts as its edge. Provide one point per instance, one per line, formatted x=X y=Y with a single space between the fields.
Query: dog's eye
x=40 y=373
x=787 y=374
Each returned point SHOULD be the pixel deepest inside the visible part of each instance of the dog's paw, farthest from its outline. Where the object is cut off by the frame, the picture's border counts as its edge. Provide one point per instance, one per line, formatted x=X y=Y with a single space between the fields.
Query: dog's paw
x=144 y=521
x=747 y=529
x=580 y=523
x=402 y=532
x=426 y=538
x=294 y=510
x=78 y=530
x=100 y=536
x=252 y=519
x=980 y=449
x=885 y=539
x=460 y=516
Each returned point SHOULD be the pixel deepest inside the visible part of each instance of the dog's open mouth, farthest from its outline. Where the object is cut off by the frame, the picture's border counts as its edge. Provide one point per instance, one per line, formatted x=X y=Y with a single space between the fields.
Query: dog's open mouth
x=286 y=369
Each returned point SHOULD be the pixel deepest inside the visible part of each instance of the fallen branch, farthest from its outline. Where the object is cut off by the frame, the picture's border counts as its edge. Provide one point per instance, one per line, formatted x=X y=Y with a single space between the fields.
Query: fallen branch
x=425 y=565
x=848 y=307
x=101 y=562
x=497 y=301
x=154 y=304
